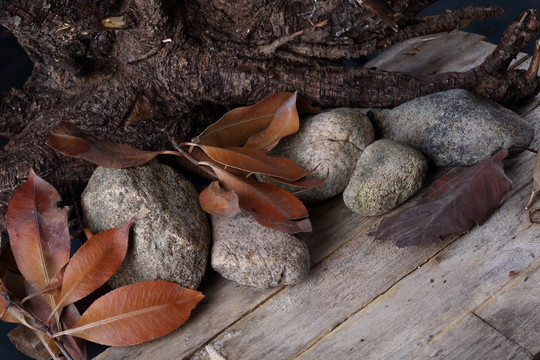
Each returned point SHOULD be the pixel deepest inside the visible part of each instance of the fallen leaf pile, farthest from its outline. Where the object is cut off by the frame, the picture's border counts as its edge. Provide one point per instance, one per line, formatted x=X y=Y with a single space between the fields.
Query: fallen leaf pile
x=230 y=151
x=39 y=284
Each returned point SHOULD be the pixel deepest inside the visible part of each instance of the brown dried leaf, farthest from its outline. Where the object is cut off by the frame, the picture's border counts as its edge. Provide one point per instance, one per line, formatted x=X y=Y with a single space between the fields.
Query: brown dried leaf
x=76 y=347
x=236 y=126
x=253 y=160
x=94 y=263
x=285 y=122
x=270 y=205
x=69 y=140
x=136 y=313
x=455 y=203
x=141 y=110
x=8 y=313
x=214 y=200
x=38 y=232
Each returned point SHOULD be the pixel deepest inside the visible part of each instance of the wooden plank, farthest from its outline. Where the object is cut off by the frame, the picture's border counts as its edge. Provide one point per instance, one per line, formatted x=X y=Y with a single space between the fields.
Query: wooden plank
x=456 y=51
x=443 y=291
x=515 y=310
x=424 y=54
x=471 y=338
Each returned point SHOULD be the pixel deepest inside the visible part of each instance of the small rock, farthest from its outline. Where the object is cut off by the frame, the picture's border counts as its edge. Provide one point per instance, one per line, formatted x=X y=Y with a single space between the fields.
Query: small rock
x=454 y=127
x=170 y=236
x=253 y=255
x=386 y=175
x=331 y=142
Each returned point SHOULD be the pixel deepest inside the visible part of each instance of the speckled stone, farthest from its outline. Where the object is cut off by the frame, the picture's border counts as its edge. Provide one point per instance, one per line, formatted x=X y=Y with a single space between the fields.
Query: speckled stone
x=253 y=255
x=386 y=175
x=454 y=127
x=170 y=235
x=331 y=142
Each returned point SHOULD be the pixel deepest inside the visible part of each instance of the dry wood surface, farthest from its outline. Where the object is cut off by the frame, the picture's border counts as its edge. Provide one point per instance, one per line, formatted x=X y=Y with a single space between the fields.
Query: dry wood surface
x=472 y=296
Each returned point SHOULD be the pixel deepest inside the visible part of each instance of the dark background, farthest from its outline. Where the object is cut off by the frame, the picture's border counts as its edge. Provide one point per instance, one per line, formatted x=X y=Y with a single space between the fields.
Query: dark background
x=15 y=67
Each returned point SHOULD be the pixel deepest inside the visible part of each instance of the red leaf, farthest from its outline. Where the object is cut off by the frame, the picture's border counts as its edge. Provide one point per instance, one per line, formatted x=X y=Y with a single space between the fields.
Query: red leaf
x=136 y=313
x=216 y=201
x=285 y=122
x=455 y=203
x=94 y=263
x=38 y=232
x=69 y=140
x=270 y=205
x=76 y=347
x=254 y=160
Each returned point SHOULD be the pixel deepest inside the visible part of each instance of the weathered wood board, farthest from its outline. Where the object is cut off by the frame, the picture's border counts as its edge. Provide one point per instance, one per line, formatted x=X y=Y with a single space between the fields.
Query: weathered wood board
x=368 y=299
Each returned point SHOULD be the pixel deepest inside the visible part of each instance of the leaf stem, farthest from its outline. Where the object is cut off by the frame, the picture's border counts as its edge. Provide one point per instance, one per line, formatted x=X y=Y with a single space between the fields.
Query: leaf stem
x=37 y=325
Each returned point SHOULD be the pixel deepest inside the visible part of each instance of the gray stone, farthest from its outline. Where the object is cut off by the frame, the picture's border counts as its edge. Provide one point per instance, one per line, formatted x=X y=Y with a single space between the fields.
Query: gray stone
x=386 y=175
x=170 y=235
x=331 y=142
x=454 y=127
x=253 y=255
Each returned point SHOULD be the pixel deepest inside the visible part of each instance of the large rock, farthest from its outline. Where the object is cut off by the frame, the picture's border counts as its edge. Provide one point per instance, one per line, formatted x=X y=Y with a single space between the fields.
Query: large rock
x=251 y=254
x=386 y=175
x=171 y=235
x=331 y=142
x=454 y=127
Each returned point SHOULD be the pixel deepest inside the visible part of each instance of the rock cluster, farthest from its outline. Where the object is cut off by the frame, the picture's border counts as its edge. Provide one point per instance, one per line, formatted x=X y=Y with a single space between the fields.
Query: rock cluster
x=171 y=233
x=331 y=143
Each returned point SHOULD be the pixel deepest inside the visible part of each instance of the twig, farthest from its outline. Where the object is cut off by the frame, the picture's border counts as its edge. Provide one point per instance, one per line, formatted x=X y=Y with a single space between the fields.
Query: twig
x=271 y=48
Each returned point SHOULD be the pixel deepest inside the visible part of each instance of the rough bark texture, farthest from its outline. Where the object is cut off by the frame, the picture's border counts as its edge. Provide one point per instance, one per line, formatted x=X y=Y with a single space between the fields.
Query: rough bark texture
x=185 y=60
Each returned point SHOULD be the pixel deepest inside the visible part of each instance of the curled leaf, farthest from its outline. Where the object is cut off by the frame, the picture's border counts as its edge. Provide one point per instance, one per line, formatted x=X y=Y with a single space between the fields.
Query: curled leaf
x=285 y=122
x=236 y=126
x=254 y=160
x=214 y=200
x=69 y=140
x=135 y=313
x=455 y=203
x=270 y=205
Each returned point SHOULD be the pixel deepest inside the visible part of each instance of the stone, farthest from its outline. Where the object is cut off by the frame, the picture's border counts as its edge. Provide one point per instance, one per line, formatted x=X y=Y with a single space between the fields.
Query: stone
x=454 y=127
x=330 y=143
x=385 y=176
x=170 y=237
x=254 y=255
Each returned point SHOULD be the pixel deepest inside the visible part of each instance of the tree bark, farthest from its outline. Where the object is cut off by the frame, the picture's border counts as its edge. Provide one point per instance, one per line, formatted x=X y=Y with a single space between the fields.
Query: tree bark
x=175 y=65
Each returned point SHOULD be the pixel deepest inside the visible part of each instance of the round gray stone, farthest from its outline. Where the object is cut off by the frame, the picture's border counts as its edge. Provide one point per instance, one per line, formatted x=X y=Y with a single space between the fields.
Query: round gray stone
x=170 y=235
x=330 y=143
x=454 y=127
x=386 y=175
x=253 y=255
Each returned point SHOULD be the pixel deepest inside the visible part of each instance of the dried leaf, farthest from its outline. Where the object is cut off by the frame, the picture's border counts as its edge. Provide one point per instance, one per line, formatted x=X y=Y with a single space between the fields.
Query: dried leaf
x=236 y=126
x=453 y=204
x=253 y=160
x=69 y=140
x=214 y=200
x=141 y=110
x=285 y=122
x=536 y=181
x=270 y=205
x=38 y=232
x=94 y=263
x=136 y=313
